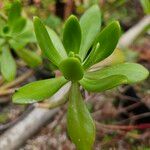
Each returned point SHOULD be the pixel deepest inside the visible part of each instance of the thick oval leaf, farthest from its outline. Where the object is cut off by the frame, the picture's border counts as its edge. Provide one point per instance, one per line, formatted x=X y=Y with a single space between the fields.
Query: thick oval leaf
x=72 y=35
x=98 y=85
x=8 y=65
x=57 y=43
x=19 y=25
x=91 y=57
x=30 y=57
x=133 y=72
x=71 y=69
x=108 y=40
x=45 y=42
x=14 y=12
x=90 y=24
x=38 y=90
x=117 y=57
x=80 y=125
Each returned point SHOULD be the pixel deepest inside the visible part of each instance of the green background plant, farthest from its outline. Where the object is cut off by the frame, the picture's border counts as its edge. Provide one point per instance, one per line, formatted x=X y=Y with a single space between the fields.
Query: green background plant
x=15 y=34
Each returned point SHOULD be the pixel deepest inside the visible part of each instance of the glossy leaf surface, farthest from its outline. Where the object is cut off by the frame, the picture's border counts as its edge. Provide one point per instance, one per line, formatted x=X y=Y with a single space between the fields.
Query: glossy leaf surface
x=8 y=65
x=57 y=43
x=91 y=57
x=133 y=72
x=99 y=85
x=38 y=90
x=80 y=125
x=72 y=35
x=90 y=24
x=108 y=40
x=117 y=57
x=46 y=43
x=71 y=69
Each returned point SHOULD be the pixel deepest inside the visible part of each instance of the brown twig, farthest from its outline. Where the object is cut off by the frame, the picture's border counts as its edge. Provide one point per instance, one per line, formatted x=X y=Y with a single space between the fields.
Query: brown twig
x=3 y=16
x=130 y=107
x=125 y=127
x=1 y=80
x=20 y=63
x=128 y=98
x=7 y=92
x=17 y=81
x=122 y=130
x=135 y=117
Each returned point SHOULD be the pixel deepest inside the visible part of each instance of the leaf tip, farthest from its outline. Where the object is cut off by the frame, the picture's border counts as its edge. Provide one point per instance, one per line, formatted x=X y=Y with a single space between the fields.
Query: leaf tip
x=73 y=16
x=35 y=18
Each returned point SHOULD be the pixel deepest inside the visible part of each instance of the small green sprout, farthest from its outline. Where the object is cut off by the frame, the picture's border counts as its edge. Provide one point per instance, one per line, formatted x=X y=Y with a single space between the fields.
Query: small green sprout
x=15 y=34
x=83 y=46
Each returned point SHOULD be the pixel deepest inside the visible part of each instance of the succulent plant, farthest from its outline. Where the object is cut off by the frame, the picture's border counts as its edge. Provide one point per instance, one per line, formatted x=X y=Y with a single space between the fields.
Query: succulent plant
x=83 y=45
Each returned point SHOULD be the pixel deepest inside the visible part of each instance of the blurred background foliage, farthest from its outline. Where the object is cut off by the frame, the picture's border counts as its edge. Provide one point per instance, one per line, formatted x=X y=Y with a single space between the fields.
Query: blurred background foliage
x=53 y=12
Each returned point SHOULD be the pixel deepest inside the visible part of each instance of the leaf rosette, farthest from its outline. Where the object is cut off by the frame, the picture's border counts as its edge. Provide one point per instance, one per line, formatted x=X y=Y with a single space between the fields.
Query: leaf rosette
x=83 y=45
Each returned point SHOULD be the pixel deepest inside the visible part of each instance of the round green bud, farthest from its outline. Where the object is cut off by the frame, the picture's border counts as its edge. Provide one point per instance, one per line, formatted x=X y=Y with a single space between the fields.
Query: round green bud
x=71 y=69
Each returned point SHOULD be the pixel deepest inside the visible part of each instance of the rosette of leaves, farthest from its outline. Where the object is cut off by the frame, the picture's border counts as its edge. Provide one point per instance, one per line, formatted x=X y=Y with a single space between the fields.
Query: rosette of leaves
x=15 y=33
x=82 y=46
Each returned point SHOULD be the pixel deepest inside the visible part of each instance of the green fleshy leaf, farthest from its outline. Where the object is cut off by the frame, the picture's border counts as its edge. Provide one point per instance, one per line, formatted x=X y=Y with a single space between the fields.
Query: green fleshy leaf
x=71 y=69
x=38 y=90
x=30 y=57
x=90 y=24
x=133 y=72
x=8 y=65
x=91 y=57
x=72 y=35
x=45 y=42
x=99 y=85
x=108 y=40
x=57 y=43
x=80 y=125
x=14 y=12
x=18 y=25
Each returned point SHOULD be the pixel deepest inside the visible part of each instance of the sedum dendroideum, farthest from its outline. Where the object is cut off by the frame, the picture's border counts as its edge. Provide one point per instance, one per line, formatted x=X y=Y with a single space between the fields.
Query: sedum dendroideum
x=15 y=34
x=83 y=45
